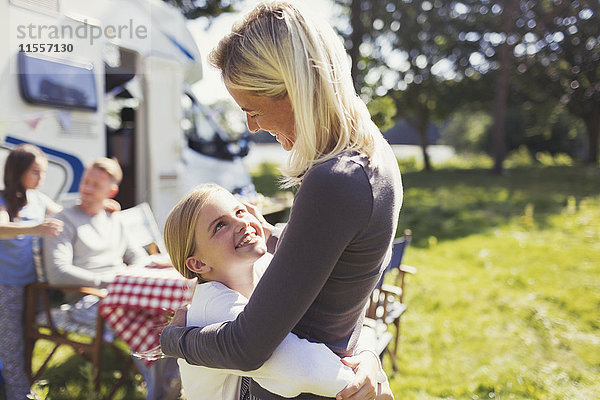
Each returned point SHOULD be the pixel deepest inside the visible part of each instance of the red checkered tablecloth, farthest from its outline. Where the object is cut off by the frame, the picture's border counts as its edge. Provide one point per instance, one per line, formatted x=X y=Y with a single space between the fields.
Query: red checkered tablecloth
x=137 y=302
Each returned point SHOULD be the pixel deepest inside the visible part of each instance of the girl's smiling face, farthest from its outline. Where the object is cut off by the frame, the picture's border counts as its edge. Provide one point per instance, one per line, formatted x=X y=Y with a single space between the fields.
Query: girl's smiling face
x=228 y=238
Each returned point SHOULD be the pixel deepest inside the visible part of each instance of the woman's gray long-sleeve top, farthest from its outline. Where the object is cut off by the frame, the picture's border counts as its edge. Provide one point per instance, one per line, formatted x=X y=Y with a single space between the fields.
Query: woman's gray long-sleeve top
x=327 y=262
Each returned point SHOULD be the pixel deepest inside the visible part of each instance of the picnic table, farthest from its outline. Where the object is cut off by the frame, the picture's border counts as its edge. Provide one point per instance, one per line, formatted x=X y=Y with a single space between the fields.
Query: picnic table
x=137 y=304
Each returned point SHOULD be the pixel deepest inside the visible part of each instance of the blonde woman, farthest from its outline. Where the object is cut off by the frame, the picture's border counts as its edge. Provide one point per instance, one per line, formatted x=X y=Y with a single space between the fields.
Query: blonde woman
x=228 y=257
x=289 y=73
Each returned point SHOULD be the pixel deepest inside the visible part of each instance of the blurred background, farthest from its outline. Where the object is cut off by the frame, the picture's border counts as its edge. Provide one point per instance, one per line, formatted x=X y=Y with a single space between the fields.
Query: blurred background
x=493 y=110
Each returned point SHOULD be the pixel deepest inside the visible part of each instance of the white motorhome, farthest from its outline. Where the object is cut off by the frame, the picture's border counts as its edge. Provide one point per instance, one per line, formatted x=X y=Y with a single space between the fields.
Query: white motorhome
x=84 y=79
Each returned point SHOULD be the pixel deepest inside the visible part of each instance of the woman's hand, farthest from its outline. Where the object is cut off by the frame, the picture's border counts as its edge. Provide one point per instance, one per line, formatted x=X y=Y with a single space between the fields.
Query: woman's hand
x=267 y=227
x=365 y=386
x=51 y=227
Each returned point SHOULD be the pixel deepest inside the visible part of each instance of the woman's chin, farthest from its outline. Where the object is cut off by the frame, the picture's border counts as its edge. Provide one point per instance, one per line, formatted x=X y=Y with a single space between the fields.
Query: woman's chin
x=287 y=146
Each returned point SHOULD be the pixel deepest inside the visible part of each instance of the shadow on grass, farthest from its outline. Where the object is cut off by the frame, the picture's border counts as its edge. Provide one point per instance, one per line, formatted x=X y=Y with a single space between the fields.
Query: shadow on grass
x=449 y=204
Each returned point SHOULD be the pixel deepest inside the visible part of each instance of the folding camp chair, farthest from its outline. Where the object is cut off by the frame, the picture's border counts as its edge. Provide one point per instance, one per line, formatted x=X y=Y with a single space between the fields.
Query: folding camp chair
x=386 y=305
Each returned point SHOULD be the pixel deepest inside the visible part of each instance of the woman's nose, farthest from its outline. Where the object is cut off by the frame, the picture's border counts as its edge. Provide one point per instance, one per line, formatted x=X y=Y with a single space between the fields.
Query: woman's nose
x=252 y=125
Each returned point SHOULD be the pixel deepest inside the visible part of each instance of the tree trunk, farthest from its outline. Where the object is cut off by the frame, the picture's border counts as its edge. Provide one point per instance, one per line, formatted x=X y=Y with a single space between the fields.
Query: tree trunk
x=502 y=87
x=592 y=123
x=356 y=39
x=422 y=124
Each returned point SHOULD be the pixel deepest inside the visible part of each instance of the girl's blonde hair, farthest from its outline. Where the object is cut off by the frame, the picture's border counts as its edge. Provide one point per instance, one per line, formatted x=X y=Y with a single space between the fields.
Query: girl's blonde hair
x=277 y=51
x=180 y=227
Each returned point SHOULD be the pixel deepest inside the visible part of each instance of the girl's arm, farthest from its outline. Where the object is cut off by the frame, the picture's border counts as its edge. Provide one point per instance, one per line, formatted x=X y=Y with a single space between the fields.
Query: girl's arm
x=299 y=366
x=8 y=230
x=296 y=366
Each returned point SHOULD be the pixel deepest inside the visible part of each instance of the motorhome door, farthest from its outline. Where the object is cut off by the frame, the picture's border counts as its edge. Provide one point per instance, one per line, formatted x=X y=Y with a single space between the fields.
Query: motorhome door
x=161 y=147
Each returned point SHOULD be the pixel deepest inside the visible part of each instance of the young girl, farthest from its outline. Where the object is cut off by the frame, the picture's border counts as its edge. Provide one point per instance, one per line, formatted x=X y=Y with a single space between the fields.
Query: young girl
x=23 y=211
x=210 y=235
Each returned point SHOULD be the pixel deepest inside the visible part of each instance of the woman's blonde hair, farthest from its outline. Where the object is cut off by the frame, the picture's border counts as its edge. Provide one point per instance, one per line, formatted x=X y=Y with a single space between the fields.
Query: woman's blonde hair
x=180 y=227
x=276 y=50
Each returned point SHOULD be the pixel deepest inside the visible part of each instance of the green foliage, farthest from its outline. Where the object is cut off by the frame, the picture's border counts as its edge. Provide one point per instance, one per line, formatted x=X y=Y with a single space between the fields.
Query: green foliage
x=467 y=161
x=519 y=158
x=266 y=178
x=383 y=110
x=409 y=164
x=552 y=130
x=522 y=158
x=39 y=391
x=529 y=130
x=466 y=131
x=193 y=9
x=560 y=159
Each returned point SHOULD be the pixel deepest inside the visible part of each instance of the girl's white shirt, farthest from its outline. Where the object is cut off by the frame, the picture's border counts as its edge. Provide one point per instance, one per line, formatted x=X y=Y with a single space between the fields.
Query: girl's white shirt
x=296 y=366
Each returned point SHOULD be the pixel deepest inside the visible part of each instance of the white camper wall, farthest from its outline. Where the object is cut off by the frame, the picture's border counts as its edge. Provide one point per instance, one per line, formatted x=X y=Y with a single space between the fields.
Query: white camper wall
x=70 y=132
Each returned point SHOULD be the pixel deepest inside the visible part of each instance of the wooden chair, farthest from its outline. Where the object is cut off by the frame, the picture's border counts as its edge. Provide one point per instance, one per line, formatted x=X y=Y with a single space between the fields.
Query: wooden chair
x=45 y=321
x=386 y=305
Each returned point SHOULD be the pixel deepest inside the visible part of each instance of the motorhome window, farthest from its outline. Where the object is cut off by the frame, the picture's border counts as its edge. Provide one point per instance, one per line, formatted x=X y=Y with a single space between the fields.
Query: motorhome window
x=204 y=129
x=196 y=124
x=57 y=83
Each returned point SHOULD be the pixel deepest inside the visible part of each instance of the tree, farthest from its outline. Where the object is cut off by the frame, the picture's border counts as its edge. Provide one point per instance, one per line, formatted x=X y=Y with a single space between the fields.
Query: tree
x=193 y=9
x=432 y=57
x=411 y=52
x=502 y=86
x=567 y=38
x=550 y=49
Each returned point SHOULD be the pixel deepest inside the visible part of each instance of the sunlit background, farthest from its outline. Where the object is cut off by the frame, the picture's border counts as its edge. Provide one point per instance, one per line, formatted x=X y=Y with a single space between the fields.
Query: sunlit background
x=493 y=111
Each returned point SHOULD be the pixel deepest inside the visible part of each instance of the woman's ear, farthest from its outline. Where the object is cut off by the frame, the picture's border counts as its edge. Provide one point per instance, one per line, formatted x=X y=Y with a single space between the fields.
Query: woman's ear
x=195 y=265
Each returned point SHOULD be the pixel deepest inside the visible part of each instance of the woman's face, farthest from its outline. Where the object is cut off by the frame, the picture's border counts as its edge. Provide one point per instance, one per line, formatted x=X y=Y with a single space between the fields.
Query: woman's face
x=275 y=116
x=227 y=236
x=34 y=175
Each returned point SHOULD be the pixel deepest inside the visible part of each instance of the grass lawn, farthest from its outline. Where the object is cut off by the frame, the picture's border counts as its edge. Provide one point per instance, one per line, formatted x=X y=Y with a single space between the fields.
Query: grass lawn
x=506 y=301
x=69 y=376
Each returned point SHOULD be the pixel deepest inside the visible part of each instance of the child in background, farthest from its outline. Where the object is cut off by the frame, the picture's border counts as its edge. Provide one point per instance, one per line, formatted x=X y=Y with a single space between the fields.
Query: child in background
x=23 y=212
x=210 y=235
